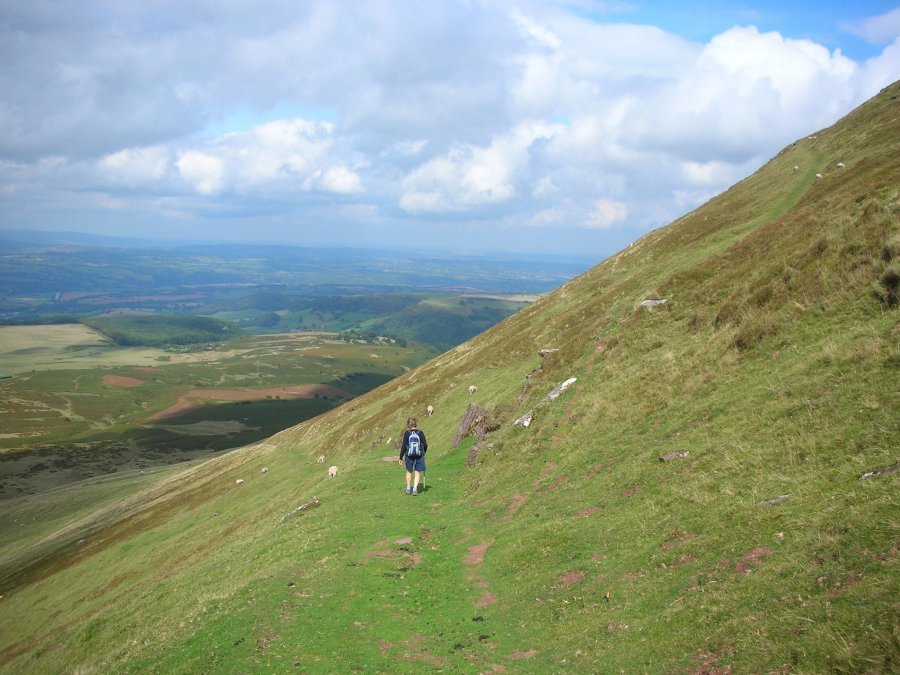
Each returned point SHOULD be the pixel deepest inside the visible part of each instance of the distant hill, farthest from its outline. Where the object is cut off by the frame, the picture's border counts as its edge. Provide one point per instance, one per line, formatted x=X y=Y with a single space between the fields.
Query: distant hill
x=714 y=492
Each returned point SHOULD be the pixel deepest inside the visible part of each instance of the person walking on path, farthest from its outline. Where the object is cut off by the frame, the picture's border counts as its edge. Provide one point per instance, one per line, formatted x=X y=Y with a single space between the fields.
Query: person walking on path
x=413 y=448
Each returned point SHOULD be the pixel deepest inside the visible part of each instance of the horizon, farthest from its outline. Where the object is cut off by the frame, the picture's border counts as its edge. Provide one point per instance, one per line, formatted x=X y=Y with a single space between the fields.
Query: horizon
x=51 y=238
x=544 y=128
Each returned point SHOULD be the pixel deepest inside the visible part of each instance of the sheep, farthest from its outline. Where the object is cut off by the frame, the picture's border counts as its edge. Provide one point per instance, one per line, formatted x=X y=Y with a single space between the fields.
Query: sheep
x=332 y=471
x=430 y=409
x=472 y=389
x=796 y=168
x=818 y=175
x=840 y=165
x=265 y=469
x=239 y=481
x=321 y=459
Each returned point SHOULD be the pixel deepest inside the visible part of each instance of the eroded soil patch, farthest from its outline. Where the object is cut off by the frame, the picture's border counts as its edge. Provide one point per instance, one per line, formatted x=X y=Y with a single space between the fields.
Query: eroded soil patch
x=122 y=381
x=186 y=401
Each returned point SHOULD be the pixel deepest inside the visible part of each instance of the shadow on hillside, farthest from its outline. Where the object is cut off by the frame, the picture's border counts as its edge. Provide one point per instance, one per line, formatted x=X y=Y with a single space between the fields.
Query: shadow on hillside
x=202 y=432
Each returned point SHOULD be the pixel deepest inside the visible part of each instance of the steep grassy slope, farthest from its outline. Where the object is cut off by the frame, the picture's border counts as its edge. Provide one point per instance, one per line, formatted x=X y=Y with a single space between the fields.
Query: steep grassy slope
x=567 y=545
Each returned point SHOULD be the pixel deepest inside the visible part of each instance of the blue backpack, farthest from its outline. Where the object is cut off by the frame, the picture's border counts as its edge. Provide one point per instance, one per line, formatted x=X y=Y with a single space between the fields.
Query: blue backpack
x=413 y=445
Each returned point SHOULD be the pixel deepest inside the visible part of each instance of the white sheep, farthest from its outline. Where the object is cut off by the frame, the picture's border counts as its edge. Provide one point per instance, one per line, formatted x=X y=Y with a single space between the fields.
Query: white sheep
x=818 y=175
x=321 y=459
x=796 y=168
x=239 y=481
x=430 y=409
x=840 y=165
x=332 y=471
x=472 y=389
x=265 y=469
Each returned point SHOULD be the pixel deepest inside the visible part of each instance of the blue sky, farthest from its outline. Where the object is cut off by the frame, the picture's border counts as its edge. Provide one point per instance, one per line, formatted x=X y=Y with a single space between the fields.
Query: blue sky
x=566 y=127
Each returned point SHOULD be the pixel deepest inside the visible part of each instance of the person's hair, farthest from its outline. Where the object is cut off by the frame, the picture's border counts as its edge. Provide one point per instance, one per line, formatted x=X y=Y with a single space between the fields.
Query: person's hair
x=411 y=422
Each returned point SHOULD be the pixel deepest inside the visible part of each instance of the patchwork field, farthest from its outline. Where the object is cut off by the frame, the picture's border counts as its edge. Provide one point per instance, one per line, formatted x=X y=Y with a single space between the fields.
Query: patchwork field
x=75 y=406
x=24 y=349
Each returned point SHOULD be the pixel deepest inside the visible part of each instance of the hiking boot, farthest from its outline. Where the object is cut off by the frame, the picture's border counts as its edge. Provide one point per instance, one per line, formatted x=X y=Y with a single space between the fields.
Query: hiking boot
x=409 y=491
x=415 y=492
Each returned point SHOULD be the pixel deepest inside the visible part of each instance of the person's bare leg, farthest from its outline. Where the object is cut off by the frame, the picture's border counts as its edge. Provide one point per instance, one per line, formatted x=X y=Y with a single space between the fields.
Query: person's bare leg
x=416 y=483
x=408 y=478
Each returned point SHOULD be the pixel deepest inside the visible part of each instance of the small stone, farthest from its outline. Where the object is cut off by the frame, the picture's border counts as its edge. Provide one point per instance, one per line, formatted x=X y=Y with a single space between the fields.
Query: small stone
x=553 y=395
x=869 y=475
x=525 y=419
x=673 y=456
x=774 y=500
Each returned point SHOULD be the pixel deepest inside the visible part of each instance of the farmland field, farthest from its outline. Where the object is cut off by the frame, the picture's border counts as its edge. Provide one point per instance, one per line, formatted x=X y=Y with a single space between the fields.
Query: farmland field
x=76 y=406
x=74 y=346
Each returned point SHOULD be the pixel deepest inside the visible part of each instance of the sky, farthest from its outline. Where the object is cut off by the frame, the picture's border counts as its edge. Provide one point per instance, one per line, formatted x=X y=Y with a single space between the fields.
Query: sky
x=551 y=127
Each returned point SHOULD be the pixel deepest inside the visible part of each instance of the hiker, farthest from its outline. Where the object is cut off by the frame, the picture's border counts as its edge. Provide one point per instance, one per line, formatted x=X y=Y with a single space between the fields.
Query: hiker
x=413 y=448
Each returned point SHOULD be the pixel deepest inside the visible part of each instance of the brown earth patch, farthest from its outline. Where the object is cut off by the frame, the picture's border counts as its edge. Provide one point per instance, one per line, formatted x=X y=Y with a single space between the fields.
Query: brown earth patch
x=586 y=513
x=562 y=480
x=597 y=468
x=634 y=575
x=486 y=599
x=683 y=560
x=556 y=440
x=565 y=580
x=752 y=557
x=521 y=655
x=517 y=502
x=475 y=554
x=882 y=557
x=852 y=579
x=709 y=665
x=630 y=492
x=546 y=471
x=122 y=381
x=676 y=537
x=383 y=553
x=186 y=401
x=413 y=650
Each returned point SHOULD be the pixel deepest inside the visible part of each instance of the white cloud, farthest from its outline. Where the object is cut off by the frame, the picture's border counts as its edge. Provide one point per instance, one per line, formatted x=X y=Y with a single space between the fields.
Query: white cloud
x=469 y=175
x=136 y=166
x=410 y=148
x=554 y=216
x=877 y=29
x=606 y=213
x=341 y=180
x=206 y=173
x=746 y=91
x=706 y=173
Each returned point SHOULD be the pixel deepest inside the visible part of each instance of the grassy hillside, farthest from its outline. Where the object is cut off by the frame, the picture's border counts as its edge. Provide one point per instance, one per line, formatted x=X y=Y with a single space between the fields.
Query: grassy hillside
x=769 y=373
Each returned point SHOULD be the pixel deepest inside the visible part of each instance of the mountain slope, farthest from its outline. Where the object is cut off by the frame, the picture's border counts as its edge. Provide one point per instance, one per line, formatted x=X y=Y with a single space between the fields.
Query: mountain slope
x=771 y=370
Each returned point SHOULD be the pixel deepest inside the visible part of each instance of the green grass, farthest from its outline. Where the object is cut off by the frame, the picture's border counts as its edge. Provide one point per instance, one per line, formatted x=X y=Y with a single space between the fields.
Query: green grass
x=773 y=364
